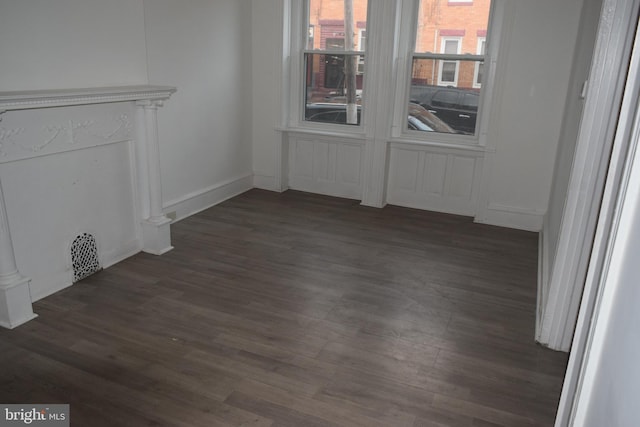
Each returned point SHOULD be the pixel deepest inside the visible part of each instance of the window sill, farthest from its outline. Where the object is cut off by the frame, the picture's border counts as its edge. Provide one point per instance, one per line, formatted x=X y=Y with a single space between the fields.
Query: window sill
x=321 y=132
x=403 y=140
x=473 y=147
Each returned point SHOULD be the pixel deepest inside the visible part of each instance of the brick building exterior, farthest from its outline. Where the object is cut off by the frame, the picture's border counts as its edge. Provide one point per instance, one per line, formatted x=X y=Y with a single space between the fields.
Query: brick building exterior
x=444 y=26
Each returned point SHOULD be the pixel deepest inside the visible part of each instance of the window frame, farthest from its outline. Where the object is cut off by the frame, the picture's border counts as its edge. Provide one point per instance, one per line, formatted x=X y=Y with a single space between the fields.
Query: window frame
x=406 y=55
x=441 y=62
x=360 y=66
x=482 y=40
x=299 y=52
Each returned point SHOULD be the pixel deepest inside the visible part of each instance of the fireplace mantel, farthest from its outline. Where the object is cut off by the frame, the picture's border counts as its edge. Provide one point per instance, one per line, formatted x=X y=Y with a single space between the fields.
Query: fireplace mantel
x=51 y=124
x=23 y=100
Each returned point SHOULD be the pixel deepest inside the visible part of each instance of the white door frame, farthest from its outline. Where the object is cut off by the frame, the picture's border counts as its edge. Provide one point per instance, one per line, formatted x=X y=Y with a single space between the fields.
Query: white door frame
x=589 y=170
x=588 y=340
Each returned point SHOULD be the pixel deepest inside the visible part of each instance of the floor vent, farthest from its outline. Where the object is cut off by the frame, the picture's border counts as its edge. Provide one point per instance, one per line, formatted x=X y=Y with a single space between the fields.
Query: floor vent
x=84 y=256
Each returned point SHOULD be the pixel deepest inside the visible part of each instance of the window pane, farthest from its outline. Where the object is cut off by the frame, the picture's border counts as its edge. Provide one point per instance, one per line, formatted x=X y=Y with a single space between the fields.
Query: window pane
x=326 y=88
x=327 y=18
x=448 y=74
x=479 y=74
x=450 y=46
x=453 y=105
x=441 y=19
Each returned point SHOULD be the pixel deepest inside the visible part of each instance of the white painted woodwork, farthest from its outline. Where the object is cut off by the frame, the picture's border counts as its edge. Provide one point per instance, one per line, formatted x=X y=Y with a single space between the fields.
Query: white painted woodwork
x=602 y=346
x=566 y=151
x=15 y=296
x=324 y=165
x=590 y=166
x=69 y=165
x=434 y=178
x=156 y=235
x=384 y=19
x=603 y=372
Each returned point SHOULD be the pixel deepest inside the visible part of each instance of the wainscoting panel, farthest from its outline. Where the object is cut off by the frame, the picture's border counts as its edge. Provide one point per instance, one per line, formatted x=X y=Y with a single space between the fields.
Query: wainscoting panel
x=326 y=165
x=434 y=178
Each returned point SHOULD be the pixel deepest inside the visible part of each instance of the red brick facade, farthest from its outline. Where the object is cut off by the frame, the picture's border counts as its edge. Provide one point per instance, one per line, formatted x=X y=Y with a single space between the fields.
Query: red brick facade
x=463 y=23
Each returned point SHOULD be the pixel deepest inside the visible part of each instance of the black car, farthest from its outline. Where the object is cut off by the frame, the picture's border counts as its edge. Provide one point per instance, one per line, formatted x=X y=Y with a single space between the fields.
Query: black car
x=418 y=118
x=456 y=107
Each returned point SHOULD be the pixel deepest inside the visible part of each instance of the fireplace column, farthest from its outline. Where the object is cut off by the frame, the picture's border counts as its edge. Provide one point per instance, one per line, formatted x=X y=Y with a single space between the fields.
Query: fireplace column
x=15 y=296
x=156 y=234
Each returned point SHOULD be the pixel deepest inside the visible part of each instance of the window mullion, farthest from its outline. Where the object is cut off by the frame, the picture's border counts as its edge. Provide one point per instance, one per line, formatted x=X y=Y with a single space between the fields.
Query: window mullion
x=449 y=57
x=334 y=52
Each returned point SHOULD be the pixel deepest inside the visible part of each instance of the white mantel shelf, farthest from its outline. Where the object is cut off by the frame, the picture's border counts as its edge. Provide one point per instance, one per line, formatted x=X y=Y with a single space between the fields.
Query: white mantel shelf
x=24 y=100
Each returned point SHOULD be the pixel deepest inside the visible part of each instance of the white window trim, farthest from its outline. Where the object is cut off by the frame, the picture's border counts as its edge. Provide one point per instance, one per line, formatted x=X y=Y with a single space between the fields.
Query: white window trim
x=361 y=60
x=295 y=113
x=360 y=31
x=476 y=70
x=443 y=42
x=293 y=83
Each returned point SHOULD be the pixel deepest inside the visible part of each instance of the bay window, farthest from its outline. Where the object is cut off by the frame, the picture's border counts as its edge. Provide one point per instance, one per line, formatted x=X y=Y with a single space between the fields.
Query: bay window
x=436 y=94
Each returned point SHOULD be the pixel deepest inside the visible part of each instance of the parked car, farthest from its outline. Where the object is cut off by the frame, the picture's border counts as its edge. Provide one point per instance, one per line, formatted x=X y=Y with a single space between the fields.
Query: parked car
x=456 y=107
x=423 y=120
x=326 y=112
x=418 y=118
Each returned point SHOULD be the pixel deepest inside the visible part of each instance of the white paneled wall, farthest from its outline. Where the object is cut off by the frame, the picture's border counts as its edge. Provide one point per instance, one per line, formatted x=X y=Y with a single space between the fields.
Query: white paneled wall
x=326 y=165
x=434 y=178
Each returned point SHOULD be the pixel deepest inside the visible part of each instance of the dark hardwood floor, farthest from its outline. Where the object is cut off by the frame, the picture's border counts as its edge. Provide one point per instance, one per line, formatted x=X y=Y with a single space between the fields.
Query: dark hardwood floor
x=298 y=310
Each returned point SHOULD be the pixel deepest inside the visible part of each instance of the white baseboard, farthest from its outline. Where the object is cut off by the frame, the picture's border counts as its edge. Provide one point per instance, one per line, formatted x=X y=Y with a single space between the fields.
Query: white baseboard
x=56 y=283
x=204 y=199
x=61 y=281
x=512 y=217
x=424 y=202
x=327 y=188
x=109 y=258
x=265 y=182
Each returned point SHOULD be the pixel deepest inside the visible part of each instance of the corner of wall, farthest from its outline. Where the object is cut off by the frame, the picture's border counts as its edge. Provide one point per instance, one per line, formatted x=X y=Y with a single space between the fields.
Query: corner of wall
x=512 y=217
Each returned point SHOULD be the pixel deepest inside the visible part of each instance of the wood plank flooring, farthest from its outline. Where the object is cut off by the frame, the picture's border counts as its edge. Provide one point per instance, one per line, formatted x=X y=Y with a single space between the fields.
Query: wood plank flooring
x=298 y=310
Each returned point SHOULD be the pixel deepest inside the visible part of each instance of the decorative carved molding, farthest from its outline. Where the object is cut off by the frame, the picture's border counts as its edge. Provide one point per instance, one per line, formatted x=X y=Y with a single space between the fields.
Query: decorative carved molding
x=70 y=129
x=66 y=97
x=7 y=135
x=73 y=130
x=124 y=128
x=76 y=128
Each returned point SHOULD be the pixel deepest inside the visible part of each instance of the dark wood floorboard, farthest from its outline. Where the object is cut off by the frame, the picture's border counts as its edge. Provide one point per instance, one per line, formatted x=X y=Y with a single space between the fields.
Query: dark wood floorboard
x=298 y=310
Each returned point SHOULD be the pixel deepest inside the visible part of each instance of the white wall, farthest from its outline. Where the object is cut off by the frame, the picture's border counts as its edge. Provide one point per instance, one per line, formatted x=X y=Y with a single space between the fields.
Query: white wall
x=267 y=55
x=203 y=48
x=531 y=87
x=59 y=44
